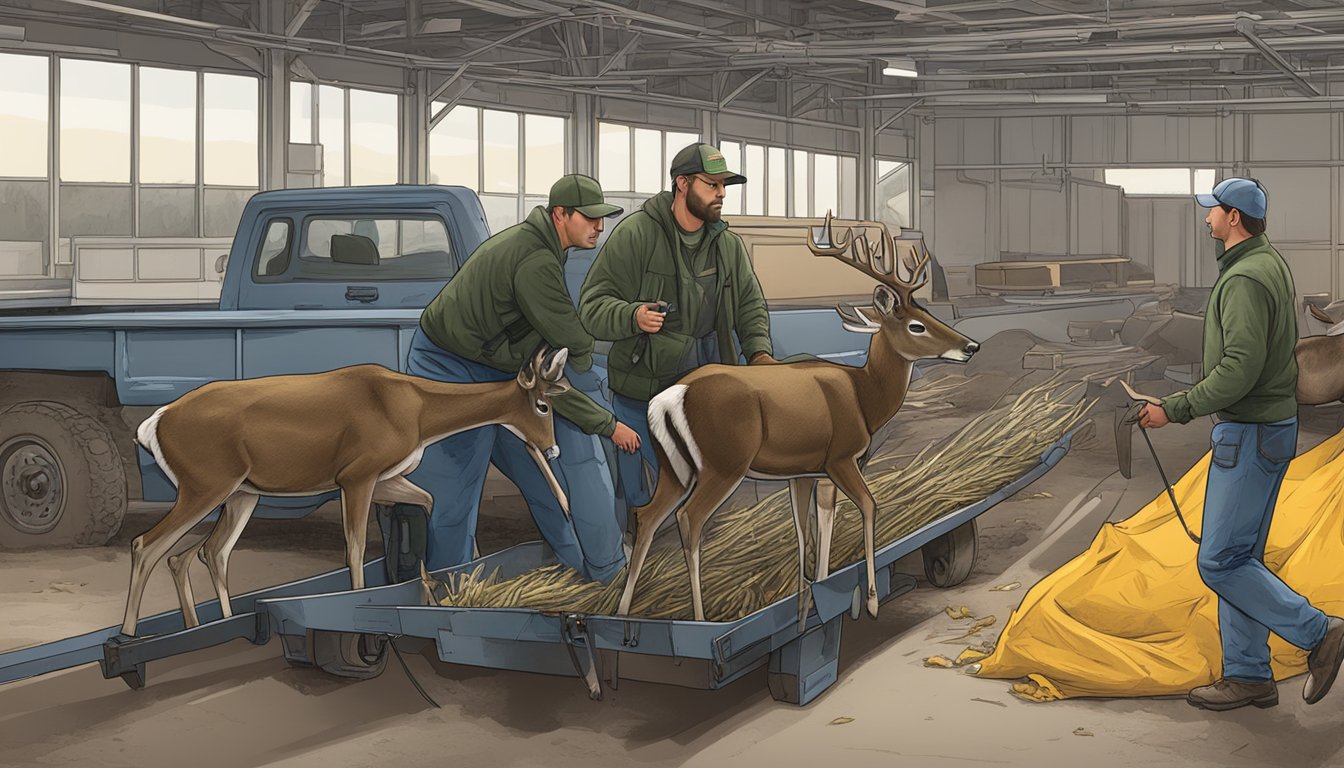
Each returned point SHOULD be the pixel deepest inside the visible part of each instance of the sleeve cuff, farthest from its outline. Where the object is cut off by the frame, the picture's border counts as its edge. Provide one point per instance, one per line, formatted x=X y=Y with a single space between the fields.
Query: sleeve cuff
x=634 y=322
x=755 y=346
x=1177 y=408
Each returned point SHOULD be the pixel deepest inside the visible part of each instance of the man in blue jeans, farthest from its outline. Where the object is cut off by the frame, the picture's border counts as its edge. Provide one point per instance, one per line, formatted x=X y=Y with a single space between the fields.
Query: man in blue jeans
x=1250 y=381
x=483 y=326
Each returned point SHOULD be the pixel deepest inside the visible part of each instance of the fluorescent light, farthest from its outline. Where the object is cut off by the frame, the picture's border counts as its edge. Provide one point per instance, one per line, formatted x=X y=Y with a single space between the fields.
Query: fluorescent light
x=902 y=67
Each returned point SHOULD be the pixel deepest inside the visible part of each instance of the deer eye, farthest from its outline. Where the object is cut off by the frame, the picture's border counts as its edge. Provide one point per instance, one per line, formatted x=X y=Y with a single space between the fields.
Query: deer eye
x=917 y=327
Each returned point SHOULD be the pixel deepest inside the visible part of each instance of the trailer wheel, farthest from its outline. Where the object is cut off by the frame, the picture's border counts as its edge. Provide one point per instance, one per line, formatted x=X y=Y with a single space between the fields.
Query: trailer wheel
x=62 y=481
x=353 y=655
x=948 y=559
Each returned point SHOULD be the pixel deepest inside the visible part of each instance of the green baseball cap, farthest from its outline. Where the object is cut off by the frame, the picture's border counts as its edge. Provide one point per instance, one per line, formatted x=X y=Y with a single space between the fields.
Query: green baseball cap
x=704 y=158
x=583 y=194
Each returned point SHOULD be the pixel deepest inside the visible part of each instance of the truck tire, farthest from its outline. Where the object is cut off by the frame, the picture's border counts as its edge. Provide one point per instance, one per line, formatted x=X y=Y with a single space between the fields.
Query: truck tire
x=62 y=481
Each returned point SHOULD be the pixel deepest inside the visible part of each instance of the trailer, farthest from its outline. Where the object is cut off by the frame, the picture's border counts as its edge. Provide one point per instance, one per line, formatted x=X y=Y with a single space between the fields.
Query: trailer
x=322 y=623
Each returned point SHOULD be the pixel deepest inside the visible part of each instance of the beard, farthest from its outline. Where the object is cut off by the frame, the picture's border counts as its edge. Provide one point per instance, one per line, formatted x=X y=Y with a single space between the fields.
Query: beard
x=703 y=209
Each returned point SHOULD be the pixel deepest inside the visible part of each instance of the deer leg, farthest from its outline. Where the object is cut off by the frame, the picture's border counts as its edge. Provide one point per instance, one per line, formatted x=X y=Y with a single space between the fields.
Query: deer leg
x=180 y=566
x=399 y=490
x=825 y=524
x=709 y=492
x=800 y=494
x=849 y=479
x=219 y=546
x=356 y=498
x=648 y=518
x=192 y=505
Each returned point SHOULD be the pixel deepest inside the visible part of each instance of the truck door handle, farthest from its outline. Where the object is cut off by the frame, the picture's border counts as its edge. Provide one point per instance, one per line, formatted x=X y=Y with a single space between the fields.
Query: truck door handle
x=362 y=293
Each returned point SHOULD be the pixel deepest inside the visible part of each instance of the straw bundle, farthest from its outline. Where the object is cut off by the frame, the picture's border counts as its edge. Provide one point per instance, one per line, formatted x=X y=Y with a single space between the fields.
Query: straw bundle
x=750 y=554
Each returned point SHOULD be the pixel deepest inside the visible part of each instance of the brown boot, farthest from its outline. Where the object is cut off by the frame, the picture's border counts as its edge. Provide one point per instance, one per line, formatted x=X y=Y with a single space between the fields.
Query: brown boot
x=1229 y=694
x=1323 y=661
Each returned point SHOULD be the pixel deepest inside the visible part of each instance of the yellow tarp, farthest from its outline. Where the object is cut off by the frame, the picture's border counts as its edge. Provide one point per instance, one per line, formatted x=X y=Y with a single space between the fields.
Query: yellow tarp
x=1131 y=616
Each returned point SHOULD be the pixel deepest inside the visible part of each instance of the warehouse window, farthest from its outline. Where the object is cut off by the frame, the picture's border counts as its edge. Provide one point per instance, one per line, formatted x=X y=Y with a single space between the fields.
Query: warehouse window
x=637 y=160
x=331 y=134
x=231 y=127
x=1161 y=181
x=167 y=126
x=358 y=130
x=374 y=144
x=510 y=159
x=301 y=113
x=24 y=103
x=820 y=181
x=95 y=120
x=893 y=193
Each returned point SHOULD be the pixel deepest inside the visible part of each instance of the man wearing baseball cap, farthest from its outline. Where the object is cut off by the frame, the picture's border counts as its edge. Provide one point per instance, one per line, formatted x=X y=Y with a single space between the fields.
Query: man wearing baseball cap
x=1250 y=381
x=483 y=326
x=673 y=289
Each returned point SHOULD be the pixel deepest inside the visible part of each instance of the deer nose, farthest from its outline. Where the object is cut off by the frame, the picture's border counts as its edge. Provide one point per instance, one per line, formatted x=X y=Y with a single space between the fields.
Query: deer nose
x=552 y=453
x=971 y=347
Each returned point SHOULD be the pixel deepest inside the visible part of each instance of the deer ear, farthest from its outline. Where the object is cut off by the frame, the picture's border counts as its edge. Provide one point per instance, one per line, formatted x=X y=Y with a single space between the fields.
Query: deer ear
x=886 y=300
x=527 y=376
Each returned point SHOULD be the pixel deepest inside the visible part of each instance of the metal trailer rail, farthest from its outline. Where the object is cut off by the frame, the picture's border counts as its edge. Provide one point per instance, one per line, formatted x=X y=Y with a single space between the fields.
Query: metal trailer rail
x=346 y=632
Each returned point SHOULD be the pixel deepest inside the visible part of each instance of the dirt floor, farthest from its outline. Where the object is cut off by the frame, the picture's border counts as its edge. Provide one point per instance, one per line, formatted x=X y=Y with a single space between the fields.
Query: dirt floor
x=241 y=705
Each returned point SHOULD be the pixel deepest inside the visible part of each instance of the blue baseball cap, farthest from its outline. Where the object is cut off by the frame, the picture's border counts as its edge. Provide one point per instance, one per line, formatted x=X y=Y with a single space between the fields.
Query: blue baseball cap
x=1246 y=195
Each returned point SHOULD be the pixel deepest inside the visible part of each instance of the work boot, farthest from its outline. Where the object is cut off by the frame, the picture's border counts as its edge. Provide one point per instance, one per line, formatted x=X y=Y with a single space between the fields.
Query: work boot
x=1229 y=694
x=1323 y=661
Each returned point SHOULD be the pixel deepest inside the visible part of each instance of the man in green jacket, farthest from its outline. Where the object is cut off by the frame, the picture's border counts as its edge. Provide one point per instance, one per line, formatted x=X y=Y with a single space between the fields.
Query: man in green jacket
x=673 y=289
x=508 y=297
x=1250 y=381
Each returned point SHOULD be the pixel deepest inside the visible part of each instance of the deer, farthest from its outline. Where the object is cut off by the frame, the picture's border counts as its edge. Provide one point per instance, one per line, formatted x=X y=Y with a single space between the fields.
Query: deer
x=1320 y=363
x=811 y=423
x=360 y=430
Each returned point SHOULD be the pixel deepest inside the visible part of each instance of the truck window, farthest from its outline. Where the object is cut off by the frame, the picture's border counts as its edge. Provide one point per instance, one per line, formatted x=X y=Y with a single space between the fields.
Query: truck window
x=274 y=257
x=402 y=248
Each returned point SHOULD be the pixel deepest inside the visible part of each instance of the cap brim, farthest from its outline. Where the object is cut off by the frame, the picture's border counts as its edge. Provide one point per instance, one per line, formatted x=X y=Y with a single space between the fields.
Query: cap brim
x=600 y=210
x=1207 y=201
x=734 y=178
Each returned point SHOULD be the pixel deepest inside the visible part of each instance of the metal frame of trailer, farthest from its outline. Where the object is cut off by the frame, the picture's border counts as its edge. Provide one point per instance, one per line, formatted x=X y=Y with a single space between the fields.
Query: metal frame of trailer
x=347 y=632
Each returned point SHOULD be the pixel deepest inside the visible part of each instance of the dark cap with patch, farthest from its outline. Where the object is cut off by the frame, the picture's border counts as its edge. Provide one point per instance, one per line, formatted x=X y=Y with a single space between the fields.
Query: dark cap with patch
x=704 y=158
x=583 y=194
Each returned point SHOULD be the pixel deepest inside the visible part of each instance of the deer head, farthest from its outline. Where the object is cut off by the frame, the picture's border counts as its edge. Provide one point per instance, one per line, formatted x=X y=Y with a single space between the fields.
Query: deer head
x=541 y=378
x=911 y=330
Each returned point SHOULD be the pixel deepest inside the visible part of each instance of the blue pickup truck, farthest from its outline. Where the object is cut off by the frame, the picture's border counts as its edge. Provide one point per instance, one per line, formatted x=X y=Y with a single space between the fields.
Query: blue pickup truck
x=316 y=279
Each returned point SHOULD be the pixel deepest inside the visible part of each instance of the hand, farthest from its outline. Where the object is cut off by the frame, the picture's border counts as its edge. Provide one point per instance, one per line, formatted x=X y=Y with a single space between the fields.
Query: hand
x=761 y=358
x=648 y=320
x=1153 y=417
x=625 y=438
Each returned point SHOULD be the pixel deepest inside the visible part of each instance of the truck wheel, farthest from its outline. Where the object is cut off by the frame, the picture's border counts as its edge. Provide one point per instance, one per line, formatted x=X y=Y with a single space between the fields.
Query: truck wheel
x=948 y=559
x=353 y=655
x=61 y=478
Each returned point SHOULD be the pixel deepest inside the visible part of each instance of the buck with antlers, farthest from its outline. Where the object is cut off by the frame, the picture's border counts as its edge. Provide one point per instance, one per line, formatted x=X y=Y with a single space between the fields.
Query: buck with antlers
x=360 y=429
x=803 y=422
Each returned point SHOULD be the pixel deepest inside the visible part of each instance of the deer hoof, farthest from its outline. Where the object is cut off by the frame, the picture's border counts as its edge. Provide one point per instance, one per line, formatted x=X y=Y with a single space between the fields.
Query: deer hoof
x=872 y=603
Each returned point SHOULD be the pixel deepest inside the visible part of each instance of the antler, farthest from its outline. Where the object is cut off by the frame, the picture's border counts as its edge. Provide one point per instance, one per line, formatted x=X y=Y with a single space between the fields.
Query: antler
x=878 y=262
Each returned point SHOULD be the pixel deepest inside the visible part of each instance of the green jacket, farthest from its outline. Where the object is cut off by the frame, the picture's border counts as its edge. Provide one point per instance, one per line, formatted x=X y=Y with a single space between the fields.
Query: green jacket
x=517 y=275
x=642 y=262
x=1250 y=334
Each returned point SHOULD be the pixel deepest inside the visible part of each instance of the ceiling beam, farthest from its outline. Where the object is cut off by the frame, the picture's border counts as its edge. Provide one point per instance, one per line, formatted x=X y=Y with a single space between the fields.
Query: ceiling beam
x=1246 y=28
x=750 y=81
x=295 y=24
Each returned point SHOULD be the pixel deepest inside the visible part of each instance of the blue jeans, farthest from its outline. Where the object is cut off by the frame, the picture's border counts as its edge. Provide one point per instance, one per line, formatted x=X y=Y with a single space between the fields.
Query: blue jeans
x=1246 y=470
x=453 y=472
x=635 y=486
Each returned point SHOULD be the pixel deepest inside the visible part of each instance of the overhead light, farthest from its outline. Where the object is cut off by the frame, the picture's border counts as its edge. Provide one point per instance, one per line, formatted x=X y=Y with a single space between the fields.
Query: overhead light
x=901 y=67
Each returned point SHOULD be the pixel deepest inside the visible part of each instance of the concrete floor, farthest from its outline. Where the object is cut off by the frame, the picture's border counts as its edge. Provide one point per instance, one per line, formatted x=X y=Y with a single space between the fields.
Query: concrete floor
x=240 y=705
